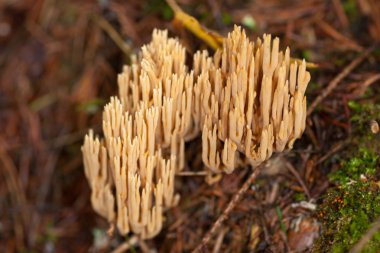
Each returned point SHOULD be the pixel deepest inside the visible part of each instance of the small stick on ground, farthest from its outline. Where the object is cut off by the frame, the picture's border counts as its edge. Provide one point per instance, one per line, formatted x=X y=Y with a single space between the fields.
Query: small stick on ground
x=343 y=19
x=18 y=198
x=114 y=35
x=332 y=85
x=231 y=205
x=291 y=168
x=371 y=80
x=344 y=41
x=219 y=241
x=333 y=150
x=192 y=173
x=126 y=245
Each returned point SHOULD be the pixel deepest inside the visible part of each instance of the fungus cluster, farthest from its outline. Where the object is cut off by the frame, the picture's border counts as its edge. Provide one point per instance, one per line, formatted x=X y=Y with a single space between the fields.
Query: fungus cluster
x=131 y=171
x=248 y=98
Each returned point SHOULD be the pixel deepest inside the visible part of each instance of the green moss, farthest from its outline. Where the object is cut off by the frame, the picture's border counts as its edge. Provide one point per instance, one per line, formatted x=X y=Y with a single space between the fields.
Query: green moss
x=340 y=62
x=307 y=55
x=364 y=165
x=249 y=22
x=362 y=114
x=351 y=9
x=226 y=18
x=92 y=106
x=350 y=207
x=352 y=204
x=347 y=215
x=158 y=7
x=279 y=216
x=299 y=197
x=376 y=52
x=313 y=86
x=48 y=234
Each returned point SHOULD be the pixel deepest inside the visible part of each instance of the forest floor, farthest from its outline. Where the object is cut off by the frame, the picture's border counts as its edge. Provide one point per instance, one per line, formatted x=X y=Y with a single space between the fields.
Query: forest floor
x=58 y=66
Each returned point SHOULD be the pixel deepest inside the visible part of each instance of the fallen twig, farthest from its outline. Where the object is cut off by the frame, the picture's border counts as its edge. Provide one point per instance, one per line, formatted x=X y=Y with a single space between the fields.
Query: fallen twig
x=192 y=173
x=219 y=241
x=371 y=80
x=291 y=168
x=114 y=35
x=333 y=150
x=231 y=205
x=126 y=245
x=18 y=197
x=332 y=32
x=341 y=14
x=211 y=38
x=332 y=85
